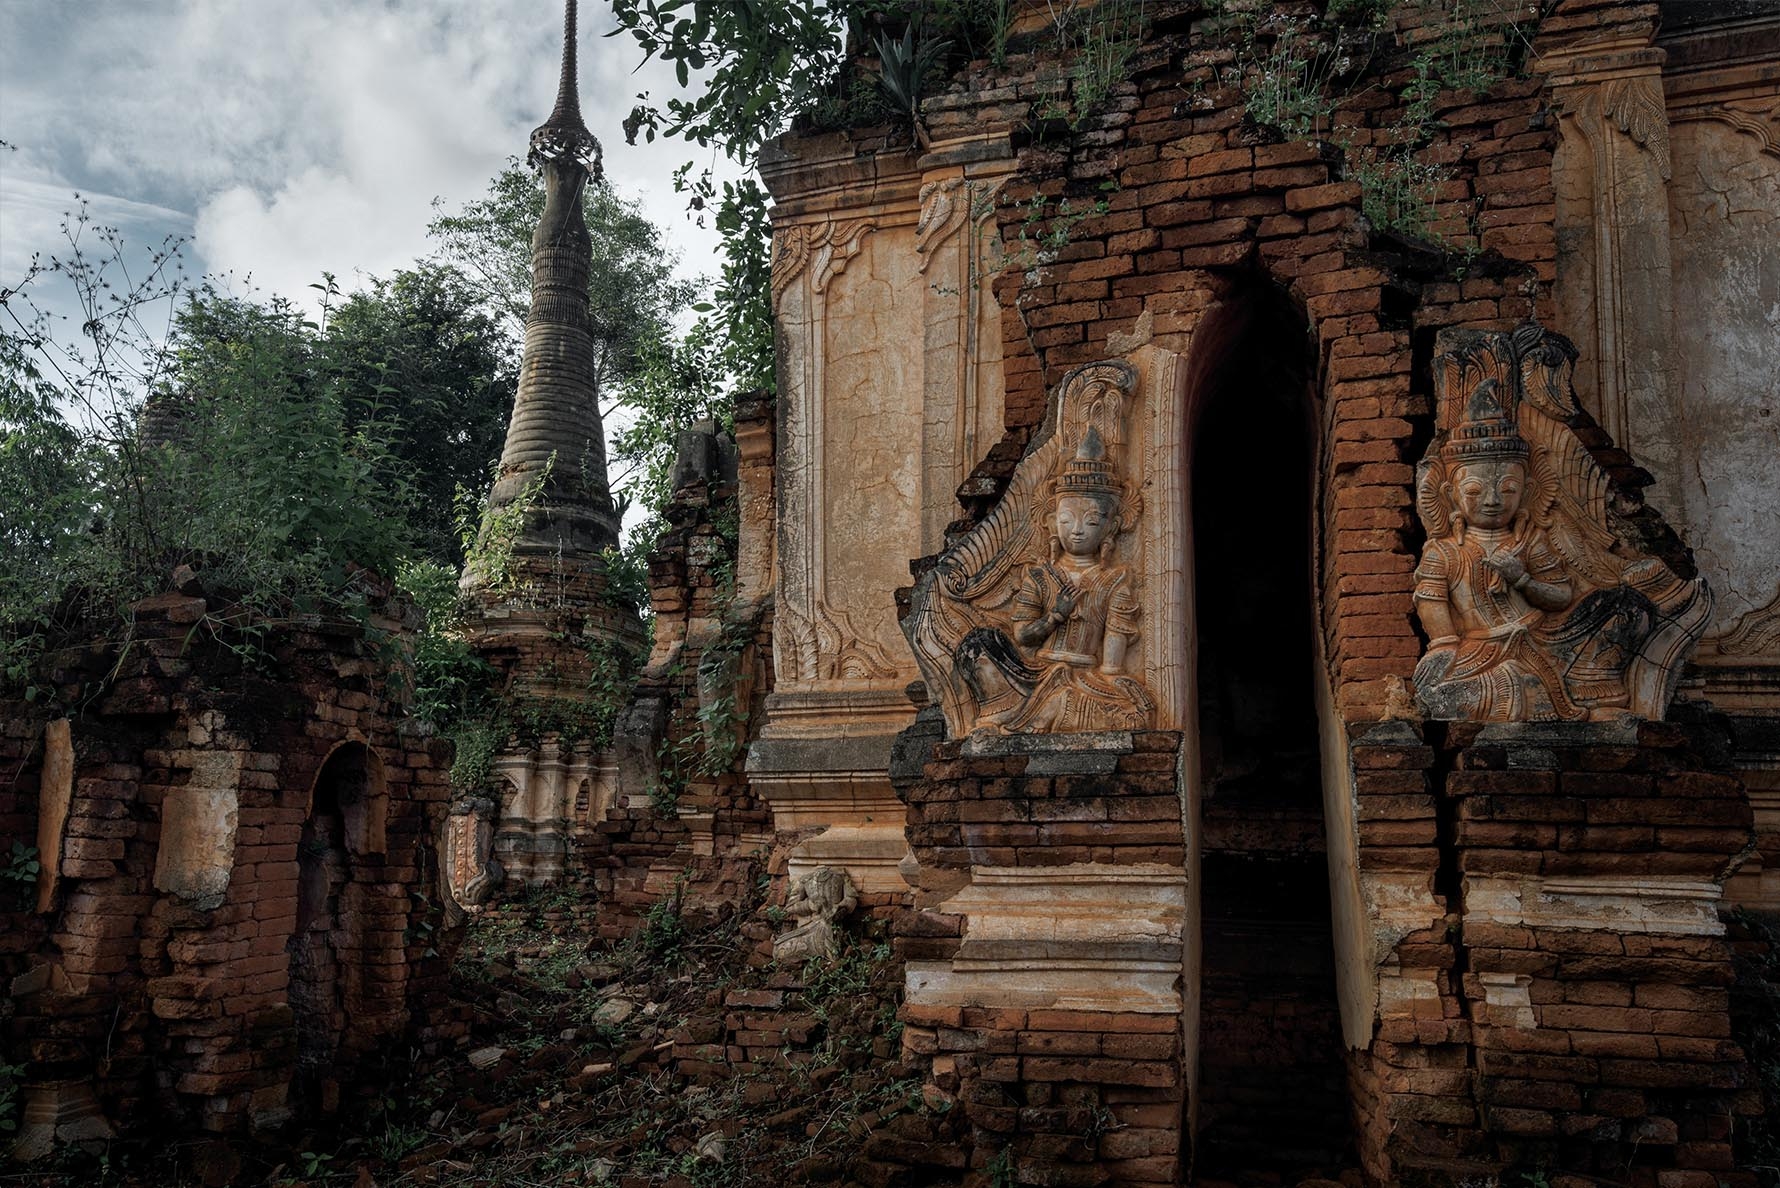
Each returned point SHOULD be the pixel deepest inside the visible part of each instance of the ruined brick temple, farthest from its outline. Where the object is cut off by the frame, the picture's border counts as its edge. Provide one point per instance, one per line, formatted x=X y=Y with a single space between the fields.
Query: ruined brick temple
x=240 y=898
x=1299 y=690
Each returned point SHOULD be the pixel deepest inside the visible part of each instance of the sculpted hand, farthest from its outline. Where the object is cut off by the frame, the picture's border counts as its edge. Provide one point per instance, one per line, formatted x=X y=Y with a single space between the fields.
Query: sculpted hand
x=1065 y=604
x=1434 y=666
x=1508 y=565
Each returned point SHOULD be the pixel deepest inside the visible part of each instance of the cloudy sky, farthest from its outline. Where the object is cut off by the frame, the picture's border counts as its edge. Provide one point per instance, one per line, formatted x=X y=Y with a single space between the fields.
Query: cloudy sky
x=289 y=137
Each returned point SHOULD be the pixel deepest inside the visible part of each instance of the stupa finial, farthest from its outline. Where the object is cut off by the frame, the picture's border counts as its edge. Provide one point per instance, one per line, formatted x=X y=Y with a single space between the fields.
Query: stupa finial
x=555 y=430
x=564 y=137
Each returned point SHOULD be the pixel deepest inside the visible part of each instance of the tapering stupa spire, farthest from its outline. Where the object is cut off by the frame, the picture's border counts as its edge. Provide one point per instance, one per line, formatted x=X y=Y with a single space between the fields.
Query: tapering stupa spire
x=556 y=420
x=541 y=609
x=564 y=135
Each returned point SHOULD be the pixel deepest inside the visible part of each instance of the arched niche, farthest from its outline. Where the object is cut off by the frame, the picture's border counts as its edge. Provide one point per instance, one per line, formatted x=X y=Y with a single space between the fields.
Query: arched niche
x=351 y=782
x=319 y=948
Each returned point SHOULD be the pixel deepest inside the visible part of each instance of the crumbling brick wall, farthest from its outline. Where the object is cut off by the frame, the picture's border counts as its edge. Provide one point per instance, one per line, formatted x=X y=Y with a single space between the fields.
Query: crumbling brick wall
x=229 y=801
x=1198 y=196
x=1191 y=202
x=1576 y=1022
x=684 y=811
x=1053 y=1091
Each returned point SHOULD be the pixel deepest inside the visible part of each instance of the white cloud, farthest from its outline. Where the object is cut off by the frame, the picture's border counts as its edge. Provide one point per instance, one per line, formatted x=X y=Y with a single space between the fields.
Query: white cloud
x=36 y=203
x=298 y=138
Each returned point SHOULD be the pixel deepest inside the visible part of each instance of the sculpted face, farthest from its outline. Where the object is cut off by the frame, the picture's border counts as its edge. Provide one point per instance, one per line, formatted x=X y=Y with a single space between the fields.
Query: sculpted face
x=1083 y=524
x=1489 y=492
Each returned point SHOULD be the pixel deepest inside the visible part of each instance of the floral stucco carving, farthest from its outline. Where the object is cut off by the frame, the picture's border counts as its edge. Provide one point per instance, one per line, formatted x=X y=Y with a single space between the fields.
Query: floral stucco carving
x=1535 y=608
x=947 y=206
x=1758 y=117
x=1635 y=106
x=824 y=249
x=1028 y=624
x=1754 y=636
x=942 y=213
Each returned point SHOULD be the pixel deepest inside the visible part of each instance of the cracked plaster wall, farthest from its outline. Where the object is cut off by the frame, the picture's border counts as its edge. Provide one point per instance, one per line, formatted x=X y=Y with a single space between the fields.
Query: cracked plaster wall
x=873 y=424
x=1724 y=221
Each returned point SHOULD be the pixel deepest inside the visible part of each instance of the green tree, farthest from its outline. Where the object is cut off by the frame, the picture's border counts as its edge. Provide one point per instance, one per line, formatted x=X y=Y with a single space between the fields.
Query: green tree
x=422 y=364
x=293 y=474
x=634 y=297
x=185 y=426
x=279 y=454
x=45 y=475
x=761 y=63
x=46 y=482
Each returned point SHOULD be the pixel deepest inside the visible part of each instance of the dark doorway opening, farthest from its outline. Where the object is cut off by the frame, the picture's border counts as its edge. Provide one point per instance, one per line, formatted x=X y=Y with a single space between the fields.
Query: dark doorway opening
x=1272 y=1073
x=318 y=946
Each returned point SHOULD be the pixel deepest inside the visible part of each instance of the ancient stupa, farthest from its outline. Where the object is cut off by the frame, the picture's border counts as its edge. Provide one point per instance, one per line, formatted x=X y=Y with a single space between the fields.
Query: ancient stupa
x=542 y=607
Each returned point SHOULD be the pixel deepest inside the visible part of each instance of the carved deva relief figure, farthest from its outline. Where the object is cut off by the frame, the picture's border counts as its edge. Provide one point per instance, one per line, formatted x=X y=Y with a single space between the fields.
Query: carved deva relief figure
x=1078 y=611
x=1026 y=626
x=1535 y=607
x=816 y=902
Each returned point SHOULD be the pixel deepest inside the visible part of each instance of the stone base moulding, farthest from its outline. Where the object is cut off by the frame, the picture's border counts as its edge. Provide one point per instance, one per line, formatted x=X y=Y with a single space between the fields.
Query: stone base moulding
x=57 y=1114
x=840 y=785
x=548 y=795
x=1679 y=907
x=1083 y=937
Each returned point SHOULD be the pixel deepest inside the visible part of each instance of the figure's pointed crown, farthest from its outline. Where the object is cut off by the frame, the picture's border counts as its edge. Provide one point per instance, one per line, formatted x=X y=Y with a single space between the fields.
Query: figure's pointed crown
x=1490 y=428
x=1089 y=473
x=564 y=136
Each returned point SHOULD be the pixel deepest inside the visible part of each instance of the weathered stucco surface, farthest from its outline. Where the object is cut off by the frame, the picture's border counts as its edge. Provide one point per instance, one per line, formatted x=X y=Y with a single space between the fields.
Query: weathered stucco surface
x=869 y=478
x=890 y=391
x=198 y=829
x=1615 y=293
x=52 y=808
x=1724 y=216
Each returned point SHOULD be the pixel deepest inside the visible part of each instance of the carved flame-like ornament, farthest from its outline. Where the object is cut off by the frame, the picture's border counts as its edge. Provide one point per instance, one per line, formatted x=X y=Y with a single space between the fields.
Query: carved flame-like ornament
x=1025 y=625
x=1536 y=609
